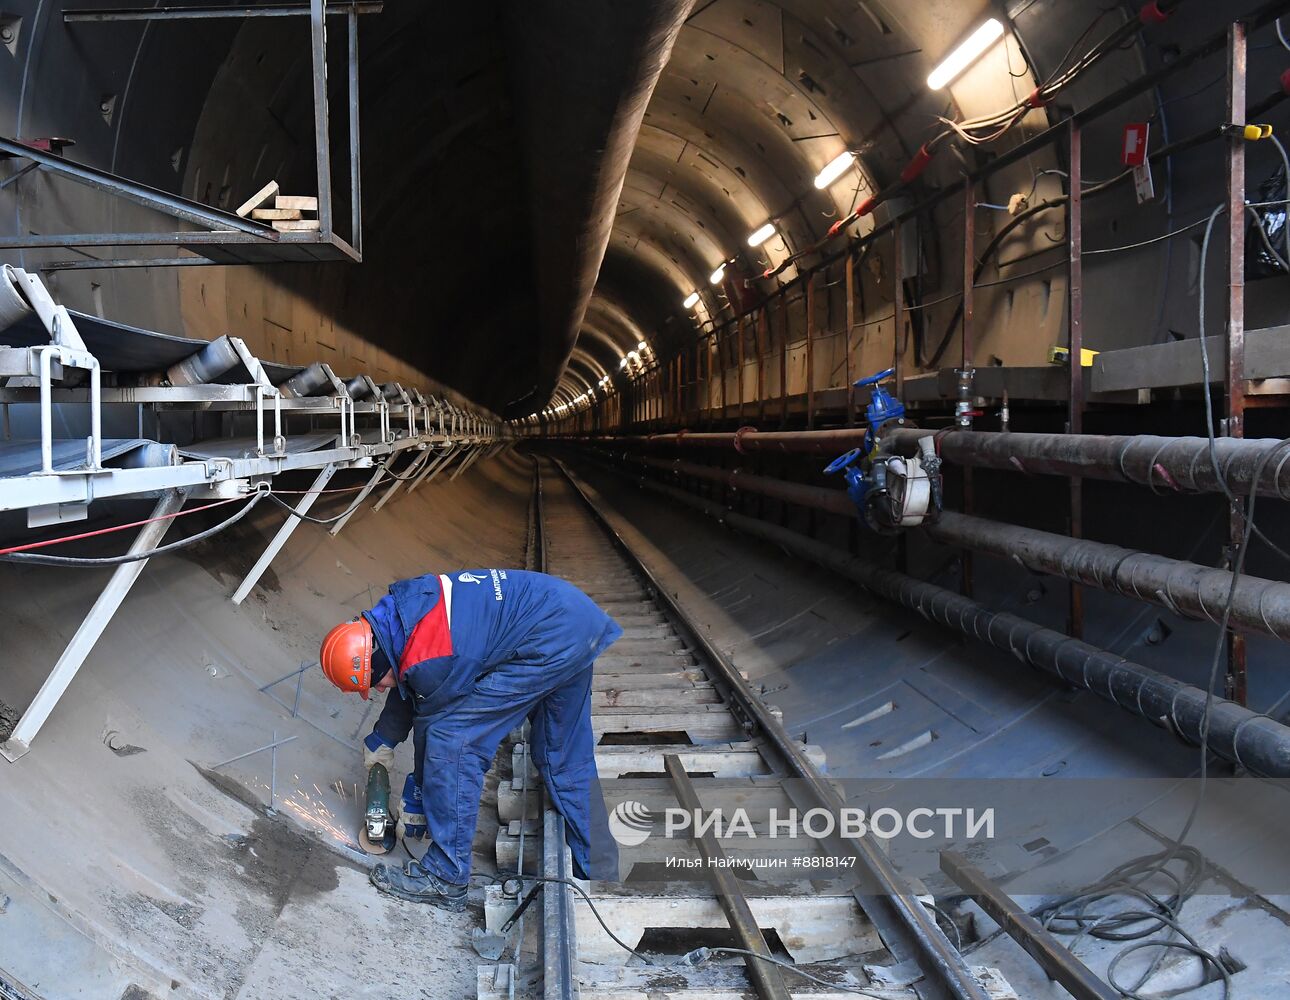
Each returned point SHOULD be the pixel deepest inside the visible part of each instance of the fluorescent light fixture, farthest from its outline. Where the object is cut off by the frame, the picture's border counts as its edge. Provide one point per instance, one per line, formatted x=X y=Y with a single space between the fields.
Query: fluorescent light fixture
x=963 y=57
x=717 y=276
x=691 y=300
x=835 y=168
x=760 y=236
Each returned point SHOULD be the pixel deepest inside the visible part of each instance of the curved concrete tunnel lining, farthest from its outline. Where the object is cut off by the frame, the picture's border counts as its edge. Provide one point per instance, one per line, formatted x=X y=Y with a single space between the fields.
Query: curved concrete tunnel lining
x=625 y=304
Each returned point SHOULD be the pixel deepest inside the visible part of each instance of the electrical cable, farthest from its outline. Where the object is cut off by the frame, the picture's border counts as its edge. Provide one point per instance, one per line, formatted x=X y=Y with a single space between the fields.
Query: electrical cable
x=516 y=877
x=701 y=955
x=316 y=520
x=696 y=957
x=129 y=557
x=115 y=528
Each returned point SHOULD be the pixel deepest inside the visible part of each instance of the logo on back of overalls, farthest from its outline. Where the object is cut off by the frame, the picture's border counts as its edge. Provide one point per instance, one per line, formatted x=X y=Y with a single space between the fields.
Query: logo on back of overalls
x=471 y=578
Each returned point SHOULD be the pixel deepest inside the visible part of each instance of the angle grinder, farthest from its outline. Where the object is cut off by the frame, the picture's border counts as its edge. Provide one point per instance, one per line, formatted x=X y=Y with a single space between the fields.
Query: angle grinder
x=377 y=835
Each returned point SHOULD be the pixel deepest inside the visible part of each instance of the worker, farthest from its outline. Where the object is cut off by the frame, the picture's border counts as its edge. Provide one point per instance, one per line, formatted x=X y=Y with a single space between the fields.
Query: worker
x=466 y=657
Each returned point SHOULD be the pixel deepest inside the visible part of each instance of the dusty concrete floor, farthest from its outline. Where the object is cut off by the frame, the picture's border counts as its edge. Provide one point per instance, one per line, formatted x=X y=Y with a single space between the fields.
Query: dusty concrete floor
x=128 y=865
x=126 y=872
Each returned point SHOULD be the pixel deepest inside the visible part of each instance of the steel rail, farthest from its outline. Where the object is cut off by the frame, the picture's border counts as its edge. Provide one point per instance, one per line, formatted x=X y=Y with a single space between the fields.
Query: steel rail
x=904 y=924
x=766 y=978
x=1038 y=942
x=559 y=937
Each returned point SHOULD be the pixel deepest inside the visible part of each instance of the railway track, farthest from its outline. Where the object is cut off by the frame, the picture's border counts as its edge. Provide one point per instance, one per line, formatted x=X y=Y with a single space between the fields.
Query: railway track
x=678 y=727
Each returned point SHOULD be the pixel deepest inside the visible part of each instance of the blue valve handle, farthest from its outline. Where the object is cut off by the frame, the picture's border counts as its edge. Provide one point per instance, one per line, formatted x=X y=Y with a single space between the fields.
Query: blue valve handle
x=875 y=378
x=842 y=461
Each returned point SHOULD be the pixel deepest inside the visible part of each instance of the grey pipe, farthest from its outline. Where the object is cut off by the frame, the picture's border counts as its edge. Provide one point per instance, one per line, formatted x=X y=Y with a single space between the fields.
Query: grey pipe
x=1185 y=588
x=1255 y=742
x=1164 y=464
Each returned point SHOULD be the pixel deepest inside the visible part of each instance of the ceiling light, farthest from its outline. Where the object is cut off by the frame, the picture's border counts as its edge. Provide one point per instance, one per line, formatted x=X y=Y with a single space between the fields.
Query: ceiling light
x=718 y=275
x=963 y=57
x=691 y=300
x=641 y=346
x=760 y=236
x=836 y=168
x=622 y=363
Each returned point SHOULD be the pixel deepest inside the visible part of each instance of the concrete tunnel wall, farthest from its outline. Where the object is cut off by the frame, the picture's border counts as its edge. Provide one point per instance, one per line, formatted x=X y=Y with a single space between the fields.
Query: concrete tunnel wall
x=150 y=876
x=127 y=860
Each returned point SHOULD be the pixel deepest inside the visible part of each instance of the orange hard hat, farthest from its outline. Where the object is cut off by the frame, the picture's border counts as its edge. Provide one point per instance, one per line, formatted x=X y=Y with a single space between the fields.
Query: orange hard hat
x=346 y=656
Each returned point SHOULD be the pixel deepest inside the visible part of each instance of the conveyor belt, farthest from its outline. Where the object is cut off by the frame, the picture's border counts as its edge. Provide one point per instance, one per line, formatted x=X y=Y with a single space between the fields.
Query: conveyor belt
x=123 y=348
x=21 y=458
x=245 y=447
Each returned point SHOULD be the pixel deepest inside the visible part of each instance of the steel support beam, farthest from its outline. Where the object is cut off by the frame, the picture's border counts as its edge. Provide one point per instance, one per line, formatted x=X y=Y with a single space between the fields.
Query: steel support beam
x=1038 y=942
x=399 y=479
x=766 y=978
x=141 y=194
x=433 y=468
x=355 y=152
x=284 y=533
x=322 y=140
x=1075 y=403
x=207 y=12
x=363 y=494
x=91 y=628
x=1236 y=681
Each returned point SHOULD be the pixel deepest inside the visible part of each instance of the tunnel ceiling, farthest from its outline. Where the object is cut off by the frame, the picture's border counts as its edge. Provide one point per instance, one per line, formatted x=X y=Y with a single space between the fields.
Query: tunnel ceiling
x=544 y=183
x=491 y=211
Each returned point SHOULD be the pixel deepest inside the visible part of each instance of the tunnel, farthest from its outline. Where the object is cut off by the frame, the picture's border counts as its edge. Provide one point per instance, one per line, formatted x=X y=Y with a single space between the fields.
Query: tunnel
x=803 y=483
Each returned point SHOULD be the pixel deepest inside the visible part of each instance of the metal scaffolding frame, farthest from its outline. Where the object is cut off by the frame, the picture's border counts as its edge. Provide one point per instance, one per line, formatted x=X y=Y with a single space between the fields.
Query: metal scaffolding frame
x=224 y=237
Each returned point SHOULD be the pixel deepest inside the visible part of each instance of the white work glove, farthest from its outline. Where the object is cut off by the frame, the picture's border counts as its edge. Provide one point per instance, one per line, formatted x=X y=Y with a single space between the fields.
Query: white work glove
x=381 y=755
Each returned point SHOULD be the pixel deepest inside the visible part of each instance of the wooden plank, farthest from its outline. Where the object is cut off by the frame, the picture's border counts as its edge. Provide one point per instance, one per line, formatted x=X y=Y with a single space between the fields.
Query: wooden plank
x=820 y=923
x=276 y=214
x=604 y=679
x=258 y=199
x=300 y=226
x=296 y=202
x=724 y=982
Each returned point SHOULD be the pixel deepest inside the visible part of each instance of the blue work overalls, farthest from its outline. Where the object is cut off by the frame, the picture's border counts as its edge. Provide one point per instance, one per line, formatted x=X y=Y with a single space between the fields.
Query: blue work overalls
x=477 y=652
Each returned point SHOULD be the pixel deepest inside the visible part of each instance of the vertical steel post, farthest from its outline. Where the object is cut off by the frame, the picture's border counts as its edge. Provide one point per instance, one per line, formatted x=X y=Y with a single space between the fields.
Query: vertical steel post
x=739 y=331
x=280 y=539
x=1075 y=411
x=1236 y=671
x=721 y=360
x=763 y=350
x=810 y=350
x=364 y=493
x=767 y=981
x=898 y=308
x=322 y=140
x=850 y=276
x=355 y=159
x=90 y=629
x=965 y=369
x=413 y=468
x=783 y=360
